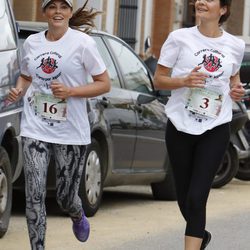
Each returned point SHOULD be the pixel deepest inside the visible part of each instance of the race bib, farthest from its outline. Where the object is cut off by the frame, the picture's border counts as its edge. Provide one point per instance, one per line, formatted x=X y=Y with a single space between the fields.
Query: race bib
x=204 y=102
x=49 y=107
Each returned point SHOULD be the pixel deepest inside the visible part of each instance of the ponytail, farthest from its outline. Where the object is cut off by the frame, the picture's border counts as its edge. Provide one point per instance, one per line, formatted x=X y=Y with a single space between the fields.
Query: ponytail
x=83 y=18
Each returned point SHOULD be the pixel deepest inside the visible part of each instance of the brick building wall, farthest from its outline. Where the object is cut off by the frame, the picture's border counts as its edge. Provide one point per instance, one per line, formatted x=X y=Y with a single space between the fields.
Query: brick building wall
x=163 y=17
x=234 y=24
x=26 y=10
x=29 y=10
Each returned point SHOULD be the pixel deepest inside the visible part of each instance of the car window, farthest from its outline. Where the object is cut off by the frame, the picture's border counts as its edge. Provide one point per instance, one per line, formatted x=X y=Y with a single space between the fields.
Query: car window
x=7 y=41
x=115 y=82
x=134 y=72
x=22 y=36
x=245 y=68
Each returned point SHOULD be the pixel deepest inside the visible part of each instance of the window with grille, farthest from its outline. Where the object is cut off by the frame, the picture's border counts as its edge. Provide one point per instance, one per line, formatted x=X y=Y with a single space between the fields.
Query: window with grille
x=127 y=21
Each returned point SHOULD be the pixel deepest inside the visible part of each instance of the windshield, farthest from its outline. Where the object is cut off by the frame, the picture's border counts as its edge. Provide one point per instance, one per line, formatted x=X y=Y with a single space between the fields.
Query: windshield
x=7 y=41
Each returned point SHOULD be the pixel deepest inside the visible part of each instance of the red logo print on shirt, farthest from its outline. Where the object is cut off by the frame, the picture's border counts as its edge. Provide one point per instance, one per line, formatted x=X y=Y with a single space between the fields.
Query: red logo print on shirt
x=211 y=63
x=48 y=65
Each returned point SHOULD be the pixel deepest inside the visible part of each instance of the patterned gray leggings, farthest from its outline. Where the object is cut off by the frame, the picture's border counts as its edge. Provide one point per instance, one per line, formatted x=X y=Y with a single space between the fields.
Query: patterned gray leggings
x=69 y=161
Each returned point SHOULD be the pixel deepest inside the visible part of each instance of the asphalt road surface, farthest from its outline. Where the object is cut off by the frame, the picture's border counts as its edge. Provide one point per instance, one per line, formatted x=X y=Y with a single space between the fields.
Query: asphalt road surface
x=129 y=219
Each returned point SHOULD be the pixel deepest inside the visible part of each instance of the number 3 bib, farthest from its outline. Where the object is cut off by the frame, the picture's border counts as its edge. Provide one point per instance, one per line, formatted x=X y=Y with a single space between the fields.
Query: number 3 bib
x=49 y=107
x=204 y=102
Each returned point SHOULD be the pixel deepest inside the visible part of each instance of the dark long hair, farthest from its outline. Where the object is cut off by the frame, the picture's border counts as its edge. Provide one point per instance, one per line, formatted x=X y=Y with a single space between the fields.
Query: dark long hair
x=225 y=3
x=83 y=18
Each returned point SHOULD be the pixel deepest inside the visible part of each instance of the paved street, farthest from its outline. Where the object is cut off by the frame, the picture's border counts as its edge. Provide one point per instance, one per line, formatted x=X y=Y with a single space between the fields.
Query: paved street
x=129 y=219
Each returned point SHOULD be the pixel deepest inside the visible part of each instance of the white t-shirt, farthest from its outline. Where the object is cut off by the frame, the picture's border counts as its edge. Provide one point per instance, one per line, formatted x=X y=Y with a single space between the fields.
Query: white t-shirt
x=70 y=60
x=220 y=59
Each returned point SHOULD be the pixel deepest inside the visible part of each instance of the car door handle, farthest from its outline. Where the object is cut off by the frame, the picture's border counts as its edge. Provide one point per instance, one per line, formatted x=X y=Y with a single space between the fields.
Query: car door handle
x=146 y=125
x=139 y=108
x=105 y=102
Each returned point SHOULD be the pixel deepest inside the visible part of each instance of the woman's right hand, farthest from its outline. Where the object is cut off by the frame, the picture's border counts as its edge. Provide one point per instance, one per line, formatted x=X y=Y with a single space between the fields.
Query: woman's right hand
x=14 y=94
x=195 y=79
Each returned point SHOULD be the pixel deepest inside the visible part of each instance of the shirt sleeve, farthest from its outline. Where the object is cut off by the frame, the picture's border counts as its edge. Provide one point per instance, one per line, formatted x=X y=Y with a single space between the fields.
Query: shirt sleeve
x=238 y=57
x=24 y=58
x=92 y=59
x=169 y=52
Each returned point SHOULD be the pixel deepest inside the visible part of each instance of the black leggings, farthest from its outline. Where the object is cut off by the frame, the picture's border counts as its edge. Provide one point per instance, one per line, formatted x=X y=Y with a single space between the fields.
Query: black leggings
x=195 y=160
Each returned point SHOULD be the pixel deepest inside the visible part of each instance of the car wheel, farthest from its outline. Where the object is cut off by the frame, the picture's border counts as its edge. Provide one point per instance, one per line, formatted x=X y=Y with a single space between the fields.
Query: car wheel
x=244 y=170
x=165 y=190
x=91 y=186
x=228 y=168
x=5 y=191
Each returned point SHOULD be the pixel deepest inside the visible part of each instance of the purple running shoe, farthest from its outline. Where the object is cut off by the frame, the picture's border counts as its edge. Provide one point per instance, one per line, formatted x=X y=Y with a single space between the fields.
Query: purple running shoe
x=81 y=228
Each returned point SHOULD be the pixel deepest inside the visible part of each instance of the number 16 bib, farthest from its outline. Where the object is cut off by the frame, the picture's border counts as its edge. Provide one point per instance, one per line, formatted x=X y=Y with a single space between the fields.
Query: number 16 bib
x=50 y=107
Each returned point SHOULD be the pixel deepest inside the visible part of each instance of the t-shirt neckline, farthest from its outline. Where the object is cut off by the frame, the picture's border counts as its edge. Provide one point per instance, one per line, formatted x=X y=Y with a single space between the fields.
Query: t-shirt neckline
x=44 y=39
x=209 y=38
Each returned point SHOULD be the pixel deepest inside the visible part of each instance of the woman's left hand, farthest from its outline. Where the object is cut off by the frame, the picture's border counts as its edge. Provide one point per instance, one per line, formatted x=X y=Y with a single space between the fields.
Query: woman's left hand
x=59 y=90
x=237 y=91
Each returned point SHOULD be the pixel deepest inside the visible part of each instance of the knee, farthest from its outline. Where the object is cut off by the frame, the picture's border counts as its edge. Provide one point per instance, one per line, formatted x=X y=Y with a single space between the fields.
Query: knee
x=196 y=202
x=35 y=197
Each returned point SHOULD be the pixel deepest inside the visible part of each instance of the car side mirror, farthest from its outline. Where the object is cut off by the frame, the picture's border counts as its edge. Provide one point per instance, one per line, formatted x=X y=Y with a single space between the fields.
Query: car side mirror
x=144 y=99
x=147 y=44
x=163 y=95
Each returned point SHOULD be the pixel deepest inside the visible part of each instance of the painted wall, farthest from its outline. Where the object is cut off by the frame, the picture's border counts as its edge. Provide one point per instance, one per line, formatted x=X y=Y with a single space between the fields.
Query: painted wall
x=96 y=4
x=156 y=18
x=246 y=22
x=110 y=17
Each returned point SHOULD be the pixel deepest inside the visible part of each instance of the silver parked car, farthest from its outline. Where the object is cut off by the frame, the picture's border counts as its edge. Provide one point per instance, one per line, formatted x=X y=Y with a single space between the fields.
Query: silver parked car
x=10 y=146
